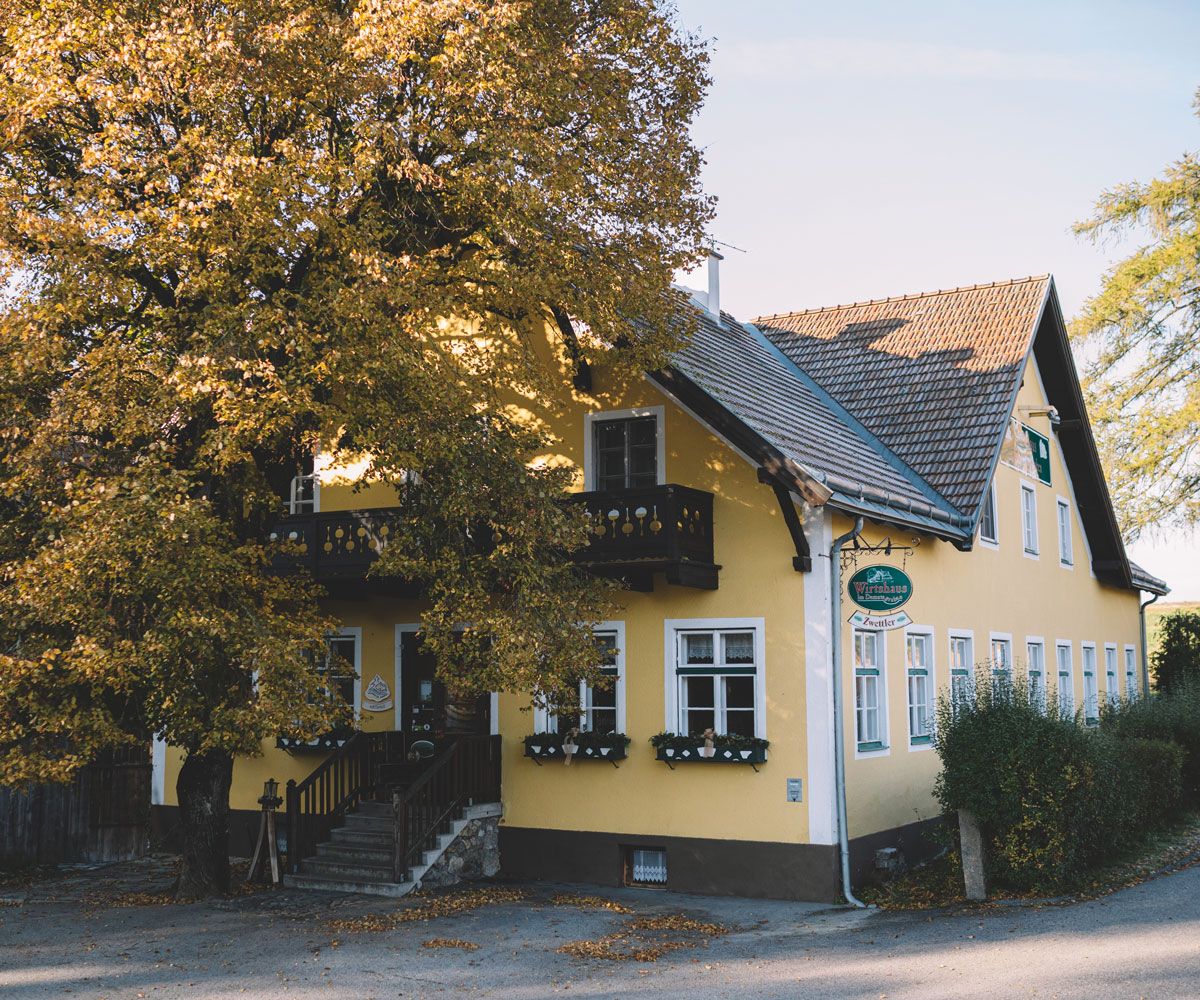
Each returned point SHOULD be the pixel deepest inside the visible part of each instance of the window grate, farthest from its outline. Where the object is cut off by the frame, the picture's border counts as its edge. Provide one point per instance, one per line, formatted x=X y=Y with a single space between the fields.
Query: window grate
x=646 y=866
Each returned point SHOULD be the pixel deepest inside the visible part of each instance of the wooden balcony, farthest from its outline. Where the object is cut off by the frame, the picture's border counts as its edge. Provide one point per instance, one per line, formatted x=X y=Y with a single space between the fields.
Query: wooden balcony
x=634 y=534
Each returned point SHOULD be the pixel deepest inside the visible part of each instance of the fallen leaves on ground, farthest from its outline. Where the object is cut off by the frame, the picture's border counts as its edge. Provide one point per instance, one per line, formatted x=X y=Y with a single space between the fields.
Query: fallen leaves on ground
x=450 y=943
x=589 y=902
x=647 y=939
x=429 y=909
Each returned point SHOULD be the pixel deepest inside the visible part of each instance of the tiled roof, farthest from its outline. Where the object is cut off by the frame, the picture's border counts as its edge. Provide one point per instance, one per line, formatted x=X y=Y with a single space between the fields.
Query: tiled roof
x=1146 y=581
x=931 y=376
x=743 y=372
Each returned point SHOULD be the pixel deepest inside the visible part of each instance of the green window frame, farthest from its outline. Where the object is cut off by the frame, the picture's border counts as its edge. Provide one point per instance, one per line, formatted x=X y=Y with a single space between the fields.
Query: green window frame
x=919 y=677
x=870 y=715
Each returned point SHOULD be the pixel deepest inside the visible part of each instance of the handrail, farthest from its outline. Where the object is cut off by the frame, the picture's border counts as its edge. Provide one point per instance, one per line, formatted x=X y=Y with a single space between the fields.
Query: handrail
x=465 y=770
x=339 y=782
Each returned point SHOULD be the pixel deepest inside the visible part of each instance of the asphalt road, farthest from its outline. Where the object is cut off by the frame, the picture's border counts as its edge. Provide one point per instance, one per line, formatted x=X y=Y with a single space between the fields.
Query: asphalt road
x=69 y=939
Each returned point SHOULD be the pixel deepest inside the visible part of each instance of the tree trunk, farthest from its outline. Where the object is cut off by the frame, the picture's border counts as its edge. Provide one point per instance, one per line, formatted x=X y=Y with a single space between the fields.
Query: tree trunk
x=203 y=791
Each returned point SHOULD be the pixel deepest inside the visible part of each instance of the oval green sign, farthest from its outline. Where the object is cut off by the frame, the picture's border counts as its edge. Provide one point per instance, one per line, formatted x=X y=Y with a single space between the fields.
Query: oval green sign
x=880 y=588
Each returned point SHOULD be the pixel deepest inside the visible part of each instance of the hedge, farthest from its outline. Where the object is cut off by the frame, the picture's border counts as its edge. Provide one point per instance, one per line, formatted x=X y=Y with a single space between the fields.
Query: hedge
x=1053 y=798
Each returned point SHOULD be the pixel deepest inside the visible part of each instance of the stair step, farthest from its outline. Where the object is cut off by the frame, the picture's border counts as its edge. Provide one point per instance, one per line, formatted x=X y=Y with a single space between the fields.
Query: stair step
x=370 y=853
x=363 y=871
x=304 y=881
x=381 y=810
x=366 y=821
x=381 y=840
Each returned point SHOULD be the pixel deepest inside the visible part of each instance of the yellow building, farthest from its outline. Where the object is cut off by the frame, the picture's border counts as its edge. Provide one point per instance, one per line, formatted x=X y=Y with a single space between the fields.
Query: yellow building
x=747 y=496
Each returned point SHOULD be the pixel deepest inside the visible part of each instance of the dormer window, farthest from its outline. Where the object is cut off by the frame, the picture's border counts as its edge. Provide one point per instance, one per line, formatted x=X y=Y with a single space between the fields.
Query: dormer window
x=302 y=496
x=625 y=450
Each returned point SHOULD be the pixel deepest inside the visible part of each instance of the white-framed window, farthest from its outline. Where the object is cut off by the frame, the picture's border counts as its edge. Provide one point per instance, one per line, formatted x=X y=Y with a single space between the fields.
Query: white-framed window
x=1131 y=680
x=1065 y=669
x=343 y=665
x=920 y=679
x=1066 y=549
x=1112 y=683
x=718 y=678
x=870 y=708
x=1029 y=525
x=1035 y=664
x=304 y=494
x=624 y=449
x=1091 y=694
x=601 y=706
x=962 y=666
x=989 y=528
x=1002 y=661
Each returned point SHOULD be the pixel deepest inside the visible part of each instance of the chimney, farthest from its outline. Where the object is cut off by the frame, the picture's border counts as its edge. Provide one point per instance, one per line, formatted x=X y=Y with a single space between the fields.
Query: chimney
x=714 y=283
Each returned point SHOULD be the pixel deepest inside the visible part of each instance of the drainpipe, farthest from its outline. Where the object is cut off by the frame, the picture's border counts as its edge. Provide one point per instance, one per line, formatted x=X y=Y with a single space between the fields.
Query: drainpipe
x=1145 y=662
x=839 y=739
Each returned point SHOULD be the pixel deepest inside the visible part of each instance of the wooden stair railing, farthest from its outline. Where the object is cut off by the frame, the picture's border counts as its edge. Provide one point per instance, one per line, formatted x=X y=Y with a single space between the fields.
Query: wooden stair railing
x=337 y=785
x=466 y=771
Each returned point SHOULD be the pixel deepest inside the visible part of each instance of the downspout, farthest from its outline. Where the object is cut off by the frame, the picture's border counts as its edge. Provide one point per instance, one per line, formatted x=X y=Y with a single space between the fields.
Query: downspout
x=839 y=740
x=1145 y=660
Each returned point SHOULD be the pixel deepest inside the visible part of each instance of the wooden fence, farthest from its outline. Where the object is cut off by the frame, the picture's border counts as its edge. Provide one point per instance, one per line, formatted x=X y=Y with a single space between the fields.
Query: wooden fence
x=102 y=815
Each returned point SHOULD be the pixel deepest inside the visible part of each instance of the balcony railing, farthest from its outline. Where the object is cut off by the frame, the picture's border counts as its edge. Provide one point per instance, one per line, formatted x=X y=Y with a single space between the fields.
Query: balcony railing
x=633 y=534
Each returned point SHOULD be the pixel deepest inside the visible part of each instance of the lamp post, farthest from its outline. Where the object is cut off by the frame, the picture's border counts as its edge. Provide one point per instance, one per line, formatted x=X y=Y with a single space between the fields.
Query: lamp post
x=270 y=801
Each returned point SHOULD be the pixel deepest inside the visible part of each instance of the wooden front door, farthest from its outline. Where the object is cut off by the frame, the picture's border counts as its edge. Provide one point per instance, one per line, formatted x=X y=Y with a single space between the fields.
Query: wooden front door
x=426 y=715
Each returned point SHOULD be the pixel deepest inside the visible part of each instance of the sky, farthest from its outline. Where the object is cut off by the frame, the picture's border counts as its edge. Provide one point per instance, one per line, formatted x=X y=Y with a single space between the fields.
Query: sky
x=870 y=149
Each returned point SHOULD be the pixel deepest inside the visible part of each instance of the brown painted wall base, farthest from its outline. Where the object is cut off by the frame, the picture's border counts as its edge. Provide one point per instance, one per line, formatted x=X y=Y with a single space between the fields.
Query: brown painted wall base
x=243 y=829
x=918 y=842
x=757 y=869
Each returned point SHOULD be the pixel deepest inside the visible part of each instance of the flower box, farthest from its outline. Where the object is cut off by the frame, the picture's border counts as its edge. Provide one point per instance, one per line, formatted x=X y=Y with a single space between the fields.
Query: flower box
x=611 y=747
x=673 y=749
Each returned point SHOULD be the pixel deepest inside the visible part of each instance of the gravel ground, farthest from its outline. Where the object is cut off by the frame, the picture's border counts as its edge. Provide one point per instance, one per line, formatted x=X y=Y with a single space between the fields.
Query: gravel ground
x=106 y=933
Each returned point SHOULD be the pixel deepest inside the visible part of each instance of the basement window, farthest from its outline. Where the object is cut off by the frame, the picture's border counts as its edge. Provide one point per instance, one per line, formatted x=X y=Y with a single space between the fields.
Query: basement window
x=646 y=866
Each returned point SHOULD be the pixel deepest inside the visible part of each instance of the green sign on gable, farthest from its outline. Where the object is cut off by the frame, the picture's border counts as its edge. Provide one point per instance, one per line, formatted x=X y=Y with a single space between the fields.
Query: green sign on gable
x=1039 y=444
x=880 y=588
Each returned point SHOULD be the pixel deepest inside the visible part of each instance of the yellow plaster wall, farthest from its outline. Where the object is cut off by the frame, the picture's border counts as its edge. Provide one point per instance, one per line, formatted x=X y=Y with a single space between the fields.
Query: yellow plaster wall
x=985 y=590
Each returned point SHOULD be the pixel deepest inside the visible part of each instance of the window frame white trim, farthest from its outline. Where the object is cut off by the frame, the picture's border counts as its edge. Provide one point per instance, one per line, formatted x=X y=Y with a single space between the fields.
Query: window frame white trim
x=951 y=635
x=673 y=626
x=994 y=637
x=1069 y=646
x=929 y=632
x=1036 y=551
x=884 y=702
x=1112 y=695
x=1040 y=642
x=990 y=543
x=1062 y=503
x=1129 y=651
x=354 y=632
x=589 y=440
x=542 y=719
x=1084 y=646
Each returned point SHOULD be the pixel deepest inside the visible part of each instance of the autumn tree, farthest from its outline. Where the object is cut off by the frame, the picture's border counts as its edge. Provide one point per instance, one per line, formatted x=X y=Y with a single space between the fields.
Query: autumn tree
x=1142 y=332
x=234 y=233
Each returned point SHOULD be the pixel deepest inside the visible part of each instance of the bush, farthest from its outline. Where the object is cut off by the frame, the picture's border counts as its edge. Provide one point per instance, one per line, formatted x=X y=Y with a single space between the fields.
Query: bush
x=1176 y=661
x=1175 y=718
x=1052 y=798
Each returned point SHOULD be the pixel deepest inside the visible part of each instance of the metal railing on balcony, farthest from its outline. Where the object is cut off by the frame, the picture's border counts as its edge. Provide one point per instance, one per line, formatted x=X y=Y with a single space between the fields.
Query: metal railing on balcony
x=633 y=534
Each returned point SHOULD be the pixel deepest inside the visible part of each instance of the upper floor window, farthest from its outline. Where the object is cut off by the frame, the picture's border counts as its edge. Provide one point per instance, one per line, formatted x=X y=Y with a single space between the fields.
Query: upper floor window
x=1066 y=555
x=625 y=452
x=1029 y=527
x=987 y=521
x=302 y=496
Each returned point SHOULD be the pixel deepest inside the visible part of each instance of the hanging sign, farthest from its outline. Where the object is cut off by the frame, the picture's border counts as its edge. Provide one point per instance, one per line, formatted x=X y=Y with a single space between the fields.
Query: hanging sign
x=880 y=623
x=378 y=696
x=880 y=589
x=1039 y=447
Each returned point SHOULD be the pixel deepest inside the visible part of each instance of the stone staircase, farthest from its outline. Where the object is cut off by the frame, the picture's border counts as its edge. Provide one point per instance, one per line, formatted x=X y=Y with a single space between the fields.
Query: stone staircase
x=358 y=855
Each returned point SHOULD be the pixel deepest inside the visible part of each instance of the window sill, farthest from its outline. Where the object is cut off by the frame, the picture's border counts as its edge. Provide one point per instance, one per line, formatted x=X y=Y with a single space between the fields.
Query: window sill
x=875 y=747
x=920 y=741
